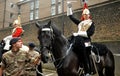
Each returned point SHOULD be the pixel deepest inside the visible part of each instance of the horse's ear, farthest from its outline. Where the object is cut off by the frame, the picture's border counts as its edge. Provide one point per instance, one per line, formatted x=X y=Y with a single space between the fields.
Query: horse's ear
x=37 y=24
x=49 y=23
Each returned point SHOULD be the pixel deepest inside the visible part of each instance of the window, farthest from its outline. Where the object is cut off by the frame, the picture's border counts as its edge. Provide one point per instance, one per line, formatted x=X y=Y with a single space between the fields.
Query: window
x=59 y=0
x=53 y=10
x=36 y=14
x=37 y=4
x=31 y=5
x=59 y=8
x=11 y=5
x=53 y=1
x=84 y=1
x=21 y=0
x=11 y=15
x=10 y=24
x=34 y=10
x=31 y=15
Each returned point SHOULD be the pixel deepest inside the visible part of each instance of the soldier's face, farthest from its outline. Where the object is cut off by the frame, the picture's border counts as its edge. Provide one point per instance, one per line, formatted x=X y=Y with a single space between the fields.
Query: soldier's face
x=15 y=25
x=18 y=44
x=86 y=16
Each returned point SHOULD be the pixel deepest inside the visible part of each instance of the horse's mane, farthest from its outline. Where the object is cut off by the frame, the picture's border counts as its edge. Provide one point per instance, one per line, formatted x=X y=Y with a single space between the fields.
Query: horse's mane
x=56 y=31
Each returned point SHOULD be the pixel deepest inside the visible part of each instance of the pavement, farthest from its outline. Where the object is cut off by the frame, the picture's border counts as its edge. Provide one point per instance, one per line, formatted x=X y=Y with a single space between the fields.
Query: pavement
x=47 y=72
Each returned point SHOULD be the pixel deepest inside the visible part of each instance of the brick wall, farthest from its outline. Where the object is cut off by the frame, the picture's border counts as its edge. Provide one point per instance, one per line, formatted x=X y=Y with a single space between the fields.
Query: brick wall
x=106 y=18
x=107 y=22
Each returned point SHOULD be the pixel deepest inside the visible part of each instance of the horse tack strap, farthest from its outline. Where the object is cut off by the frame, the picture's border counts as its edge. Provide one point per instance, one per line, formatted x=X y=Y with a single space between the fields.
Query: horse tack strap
x=59 y=65
x=95 y=56
x=62 y=59
x=69 y=48
x=46 y=29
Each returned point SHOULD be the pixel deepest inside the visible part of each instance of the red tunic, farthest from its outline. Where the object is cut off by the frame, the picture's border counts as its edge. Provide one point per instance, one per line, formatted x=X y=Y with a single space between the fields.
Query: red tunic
x=17 y=32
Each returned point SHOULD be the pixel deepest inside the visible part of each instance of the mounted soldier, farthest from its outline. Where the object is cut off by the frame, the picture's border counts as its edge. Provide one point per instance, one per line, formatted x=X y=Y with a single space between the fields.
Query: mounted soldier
x=16 y=32
x=85 y=31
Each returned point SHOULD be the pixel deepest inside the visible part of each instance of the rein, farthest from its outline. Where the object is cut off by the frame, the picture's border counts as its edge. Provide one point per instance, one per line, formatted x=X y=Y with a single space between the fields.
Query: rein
x=39 y=71
x=59 y=65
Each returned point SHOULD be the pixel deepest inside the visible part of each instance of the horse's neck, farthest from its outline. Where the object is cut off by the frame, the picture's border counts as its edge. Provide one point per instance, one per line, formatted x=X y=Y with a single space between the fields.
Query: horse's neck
x=59 y=47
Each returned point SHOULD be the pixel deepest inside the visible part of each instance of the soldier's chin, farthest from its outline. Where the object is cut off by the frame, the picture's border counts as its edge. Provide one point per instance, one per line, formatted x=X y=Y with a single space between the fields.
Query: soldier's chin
x=20 y=47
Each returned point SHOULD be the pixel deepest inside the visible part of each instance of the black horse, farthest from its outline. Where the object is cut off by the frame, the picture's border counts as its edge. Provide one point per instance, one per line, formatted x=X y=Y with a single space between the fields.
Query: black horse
x=64 y=56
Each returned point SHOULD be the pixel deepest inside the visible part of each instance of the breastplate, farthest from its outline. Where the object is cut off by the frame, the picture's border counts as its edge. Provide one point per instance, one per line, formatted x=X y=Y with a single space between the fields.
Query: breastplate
x=85 y=25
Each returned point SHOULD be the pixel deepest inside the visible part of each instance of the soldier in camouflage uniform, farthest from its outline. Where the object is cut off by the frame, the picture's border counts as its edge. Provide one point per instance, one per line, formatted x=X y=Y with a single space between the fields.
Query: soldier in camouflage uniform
x=14 y=61
x=35 y=60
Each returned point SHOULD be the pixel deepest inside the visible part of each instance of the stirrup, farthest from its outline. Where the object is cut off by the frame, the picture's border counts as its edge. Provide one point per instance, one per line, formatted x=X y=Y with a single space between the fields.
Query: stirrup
x=96 y=57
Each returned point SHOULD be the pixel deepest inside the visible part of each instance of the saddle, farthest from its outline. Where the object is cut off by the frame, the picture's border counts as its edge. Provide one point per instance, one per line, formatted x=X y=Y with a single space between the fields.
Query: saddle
x=99 y=49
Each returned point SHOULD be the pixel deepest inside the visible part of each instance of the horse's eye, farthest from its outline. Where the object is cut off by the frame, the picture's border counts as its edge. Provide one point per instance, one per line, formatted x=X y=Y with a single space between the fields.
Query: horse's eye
x=43 y=34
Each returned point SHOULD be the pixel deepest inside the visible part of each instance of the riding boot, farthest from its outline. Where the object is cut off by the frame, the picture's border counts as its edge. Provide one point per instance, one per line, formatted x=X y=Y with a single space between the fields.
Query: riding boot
x=81 y=52
x=88 y=52
x=86 y=62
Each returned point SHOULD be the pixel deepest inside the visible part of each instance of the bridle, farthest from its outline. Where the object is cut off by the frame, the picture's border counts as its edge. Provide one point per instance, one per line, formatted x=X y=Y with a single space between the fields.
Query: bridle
x=51 y=37
x=59 y=60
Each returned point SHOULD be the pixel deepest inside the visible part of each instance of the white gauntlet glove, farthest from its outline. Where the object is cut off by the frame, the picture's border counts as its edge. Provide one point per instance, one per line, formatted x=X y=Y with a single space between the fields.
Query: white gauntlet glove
x=69 y=8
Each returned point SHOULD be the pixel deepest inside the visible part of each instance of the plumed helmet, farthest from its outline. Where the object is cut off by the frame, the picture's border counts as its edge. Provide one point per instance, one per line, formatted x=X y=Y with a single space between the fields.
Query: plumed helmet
x=86 y=11
x=17 y=21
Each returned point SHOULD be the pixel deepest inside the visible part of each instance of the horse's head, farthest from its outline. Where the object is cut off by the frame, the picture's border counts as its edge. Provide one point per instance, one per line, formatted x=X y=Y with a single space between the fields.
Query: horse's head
x=51 y=39
x=45 y=36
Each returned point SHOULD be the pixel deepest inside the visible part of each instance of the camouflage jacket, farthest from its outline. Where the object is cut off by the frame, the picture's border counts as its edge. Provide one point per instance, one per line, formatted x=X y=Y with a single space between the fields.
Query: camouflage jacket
x=14 y=63
x=31 y=67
